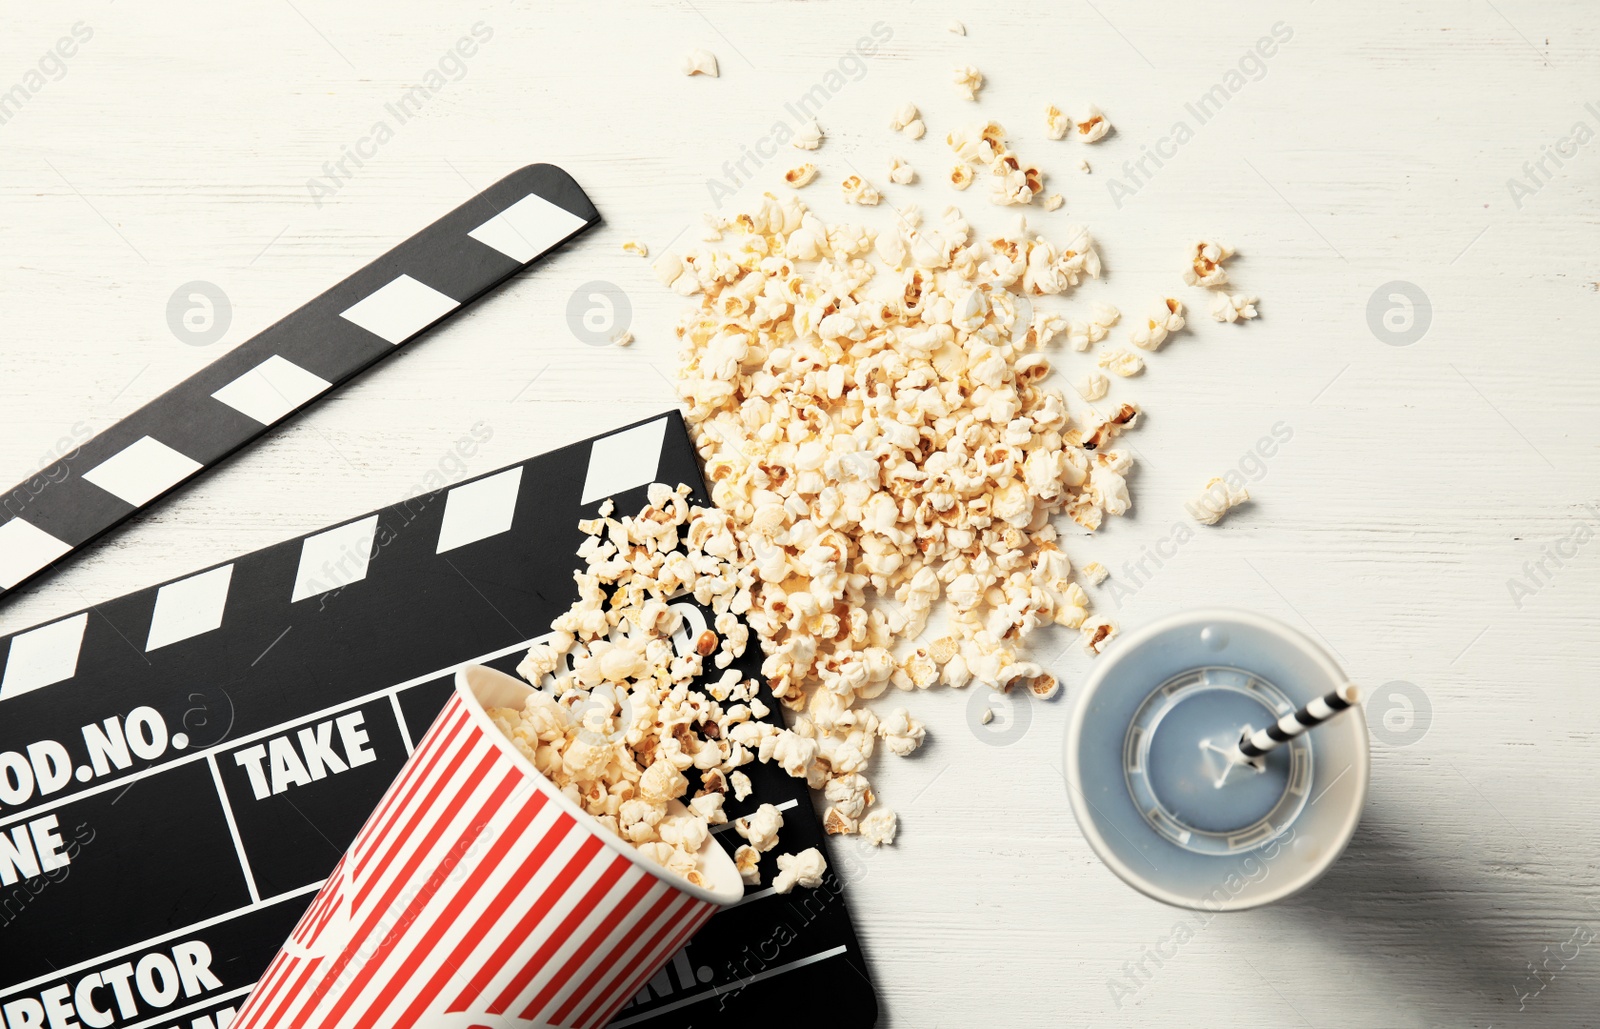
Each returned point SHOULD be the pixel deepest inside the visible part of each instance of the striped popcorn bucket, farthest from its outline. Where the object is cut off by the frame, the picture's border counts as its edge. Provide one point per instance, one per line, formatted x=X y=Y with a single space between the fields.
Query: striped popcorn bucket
x=478 y=895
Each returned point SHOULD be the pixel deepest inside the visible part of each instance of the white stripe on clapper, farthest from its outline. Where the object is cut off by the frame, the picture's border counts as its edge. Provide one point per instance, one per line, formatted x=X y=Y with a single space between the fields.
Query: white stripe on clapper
x=400 y=719
x=233 y=830
x=737 y=984
x=786 y=805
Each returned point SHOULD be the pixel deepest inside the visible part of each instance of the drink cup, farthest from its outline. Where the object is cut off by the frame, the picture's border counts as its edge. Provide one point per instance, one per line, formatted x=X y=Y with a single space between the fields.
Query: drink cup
x=1151 y=780
x=478 y=895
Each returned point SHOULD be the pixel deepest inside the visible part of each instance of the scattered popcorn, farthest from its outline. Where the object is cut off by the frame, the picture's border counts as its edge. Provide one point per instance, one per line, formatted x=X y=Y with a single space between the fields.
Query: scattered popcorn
x=1233 y=307
x=837 y=823
x=879 y=827
x=633 y=246
x=1122 y=362
x=700 y=62
x=1056 y=124
x=849 y=794
x=760 y=828
x=1044 y=687
x=809 y=136
x=968 y=81
x=748 y=861
x=1205 y=264
x=859 y=191
x=741 y=785
x=1167 y=319
x=870 y=406
x=803 y=869
x=987 y=716
x=1085 y=333
x=901 y=733
x=1093 y=386
x=1216 y=500
x=870 y=411
x=1096 y=633
x=900 y=172
x=985 y=147
x=800 y=176
x=1093 y=126
x=623 y=338
x=957 y=28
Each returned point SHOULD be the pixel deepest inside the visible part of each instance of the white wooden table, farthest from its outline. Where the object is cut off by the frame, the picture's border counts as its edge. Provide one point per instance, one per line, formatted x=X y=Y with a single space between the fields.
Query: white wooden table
x=1421 y=480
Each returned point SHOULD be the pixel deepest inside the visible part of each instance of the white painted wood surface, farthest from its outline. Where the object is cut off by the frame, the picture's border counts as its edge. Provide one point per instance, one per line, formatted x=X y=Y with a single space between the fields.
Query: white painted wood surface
x=1418 y=482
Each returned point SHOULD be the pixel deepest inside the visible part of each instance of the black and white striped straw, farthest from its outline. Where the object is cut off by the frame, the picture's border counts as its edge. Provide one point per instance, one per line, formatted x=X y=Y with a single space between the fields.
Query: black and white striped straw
x=1256 y=745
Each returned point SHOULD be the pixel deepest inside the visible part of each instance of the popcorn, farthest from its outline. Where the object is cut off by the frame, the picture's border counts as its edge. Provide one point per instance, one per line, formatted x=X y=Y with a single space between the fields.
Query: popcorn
x=968 y=81
x=800 y=176
x=633 y=246
x=1233 y=307
x=1053 y=202
x=900 y=172
x=957 y=28
x=1095 y=572
x=836 y=822
x=615 y=723
x=623 y=338
x=1084 y=333
x=1205 y=264
x=871 y=413
x=961 y=176
x=1167 y=319
x=1092 y=127
x=849 y=794
x=1096 y=634
x=904 y=116
x=1044 y=687
x=1215 y=500
x=761 y=827
x=987 y=716
x=700 y=62
x=879 y=827
x=1056 y=124
x=748 y=861
x=1122 y=362
x=916 y=129
x=985 y=147
x=901 y=733
x=803 y=869
x=809 y=136
x=859 y=191
x=792 y=752
x=1092 y=386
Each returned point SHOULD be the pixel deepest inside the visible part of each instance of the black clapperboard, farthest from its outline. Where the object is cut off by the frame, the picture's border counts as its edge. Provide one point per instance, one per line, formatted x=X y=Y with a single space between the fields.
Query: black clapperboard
x=182 y=767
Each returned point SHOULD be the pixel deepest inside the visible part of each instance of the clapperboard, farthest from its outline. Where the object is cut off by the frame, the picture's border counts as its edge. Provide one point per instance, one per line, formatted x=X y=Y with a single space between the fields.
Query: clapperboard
x=182 y=767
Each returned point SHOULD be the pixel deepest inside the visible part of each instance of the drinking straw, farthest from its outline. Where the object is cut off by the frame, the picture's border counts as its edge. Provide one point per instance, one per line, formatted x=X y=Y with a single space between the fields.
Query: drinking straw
x=1253 y=746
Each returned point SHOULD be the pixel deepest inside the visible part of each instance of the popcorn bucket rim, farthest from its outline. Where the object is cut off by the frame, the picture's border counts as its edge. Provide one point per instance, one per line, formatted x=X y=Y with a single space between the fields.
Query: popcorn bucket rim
x=716 y=862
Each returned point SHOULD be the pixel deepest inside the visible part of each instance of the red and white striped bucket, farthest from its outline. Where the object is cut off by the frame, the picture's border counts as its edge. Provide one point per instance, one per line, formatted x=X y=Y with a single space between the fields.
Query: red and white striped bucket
x=478 y=895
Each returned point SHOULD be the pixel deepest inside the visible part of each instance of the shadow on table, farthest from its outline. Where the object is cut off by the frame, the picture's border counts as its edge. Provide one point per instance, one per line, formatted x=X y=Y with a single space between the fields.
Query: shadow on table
x=1454 y=948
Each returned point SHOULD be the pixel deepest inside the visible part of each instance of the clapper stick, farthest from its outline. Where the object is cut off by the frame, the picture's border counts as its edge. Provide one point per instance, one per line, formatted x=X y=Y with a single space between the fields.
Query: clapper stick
x=269 y=378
